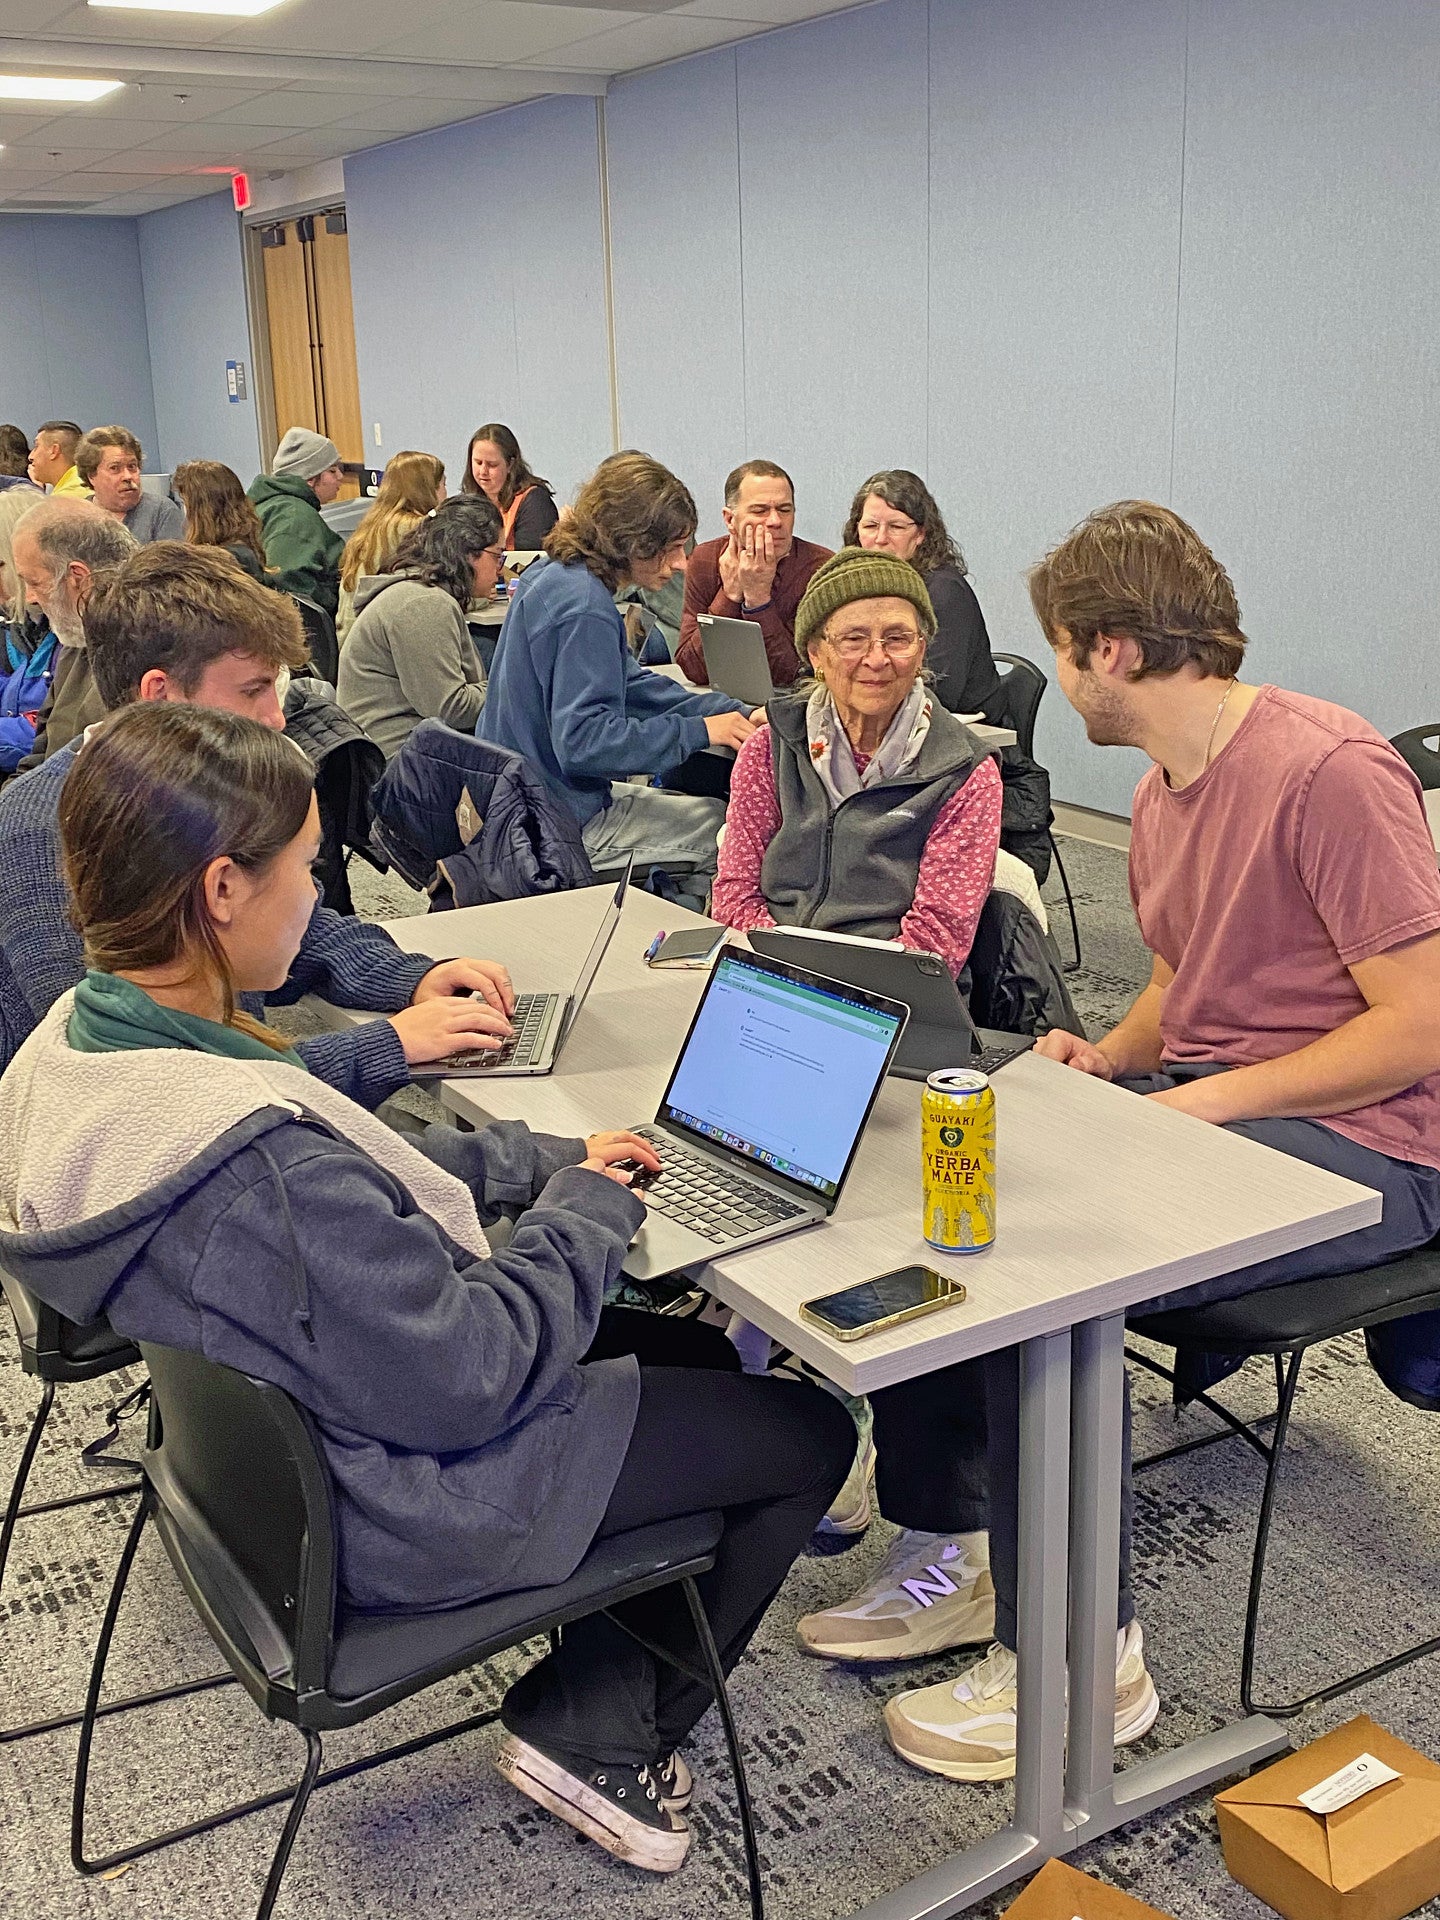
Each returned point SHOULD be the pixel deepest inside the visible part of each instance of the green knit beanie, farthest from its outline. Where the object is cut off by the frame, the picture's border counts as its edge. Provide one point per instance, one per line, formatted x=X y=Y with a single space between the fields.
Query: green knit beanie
x=858 y=573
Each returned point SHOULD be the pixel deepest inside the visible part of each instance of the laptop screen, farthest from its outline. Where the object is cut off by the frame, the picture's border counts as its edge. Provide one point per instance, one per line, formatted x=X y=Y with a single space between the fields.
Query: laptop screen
x=597 y=952
x=782 y=1066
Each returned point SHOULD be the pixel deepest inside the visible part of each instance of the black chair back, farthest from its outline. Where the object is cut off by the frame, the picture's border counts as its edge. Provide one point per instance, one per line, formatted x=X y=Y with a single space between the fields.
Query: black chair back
x=1022 y=686
x=1417 y=748
x=320 y=633
x=242 y=1501
x=54 y=1348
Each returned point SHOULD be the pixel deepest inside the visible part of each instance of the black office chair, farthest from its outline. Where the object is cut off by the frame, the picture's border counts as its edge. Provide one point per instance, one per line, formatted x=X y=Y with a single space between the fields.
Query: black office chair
x=320 y=633
x=1286 y=1322
x=58 y=1352
x=1022 y=687
x=240 y=1494
x=1417 y=747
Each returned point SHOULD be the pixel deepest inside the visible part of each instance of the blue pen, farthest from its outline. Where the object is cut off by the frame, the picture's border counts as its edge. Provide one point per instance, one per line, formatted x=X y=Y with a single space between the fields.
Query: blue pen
x=654 y=947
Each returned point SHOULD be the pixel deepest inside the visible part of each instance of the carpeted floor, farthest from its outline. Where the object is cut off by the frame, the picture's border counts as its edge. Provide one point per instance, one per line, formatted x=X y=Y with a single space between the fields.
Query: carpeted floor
x=843 y=1819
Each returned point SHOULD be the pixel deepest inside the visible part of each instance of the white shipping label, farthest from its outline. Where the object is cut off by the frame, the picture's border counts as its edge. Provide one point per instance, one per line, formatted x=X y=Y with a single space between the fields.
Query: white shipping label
x=1360 y=1776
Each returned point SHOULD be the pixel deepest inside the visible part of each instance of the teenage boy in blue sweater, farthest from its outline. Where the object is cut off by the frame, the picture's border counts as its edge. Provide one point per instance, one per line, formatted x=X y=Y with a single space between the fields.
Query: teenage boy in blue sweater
x=184 y=623
x=566 y=691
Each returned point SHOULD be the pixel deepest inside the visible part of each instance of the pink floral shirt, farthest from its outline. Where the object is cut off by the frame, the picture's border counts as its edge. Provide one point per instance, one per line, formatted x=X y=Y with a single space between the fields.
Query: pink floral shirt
x=957 y=867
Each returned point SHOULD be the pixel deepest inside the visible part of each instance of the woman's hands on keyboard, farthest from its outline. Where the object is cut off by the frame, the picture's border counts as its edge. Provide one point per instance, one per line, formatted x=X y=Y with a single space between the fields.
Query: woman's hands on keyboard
x=621 y=1157
x=449 y=1024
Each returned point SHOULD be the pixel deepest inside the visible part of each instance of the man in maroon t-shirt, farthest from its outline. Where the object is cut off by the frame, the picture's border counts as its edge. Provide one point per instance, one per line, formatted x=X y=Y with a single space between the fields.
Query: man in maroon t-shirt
x=1285 y=882
x=758 y=571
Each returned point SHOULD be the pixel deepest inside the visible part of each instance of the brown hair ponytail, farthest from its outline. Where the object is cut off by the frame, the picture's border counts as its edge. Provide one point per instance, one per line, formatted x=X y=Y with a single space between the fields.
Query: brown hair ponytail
x=156 y=794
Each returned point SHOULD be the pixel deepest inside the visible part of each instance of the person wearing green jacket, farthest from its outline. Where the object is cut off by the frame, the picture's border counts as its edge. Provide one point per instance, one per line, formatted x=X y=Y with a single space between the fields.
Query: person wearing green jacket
x=305 y=475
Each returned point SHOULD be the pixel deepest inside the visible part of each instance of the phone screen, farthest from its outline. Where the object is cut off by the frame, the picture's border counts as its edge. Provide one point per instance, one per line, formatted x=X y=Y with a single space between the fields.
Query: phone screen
x=695 y=943
x=883 y=1297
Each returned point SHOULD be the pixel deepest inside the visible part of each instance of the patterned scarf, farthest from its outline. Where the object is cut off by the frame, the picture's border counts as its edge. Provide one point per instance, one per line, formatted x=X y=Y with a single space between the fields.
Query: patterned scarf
x=831 y=754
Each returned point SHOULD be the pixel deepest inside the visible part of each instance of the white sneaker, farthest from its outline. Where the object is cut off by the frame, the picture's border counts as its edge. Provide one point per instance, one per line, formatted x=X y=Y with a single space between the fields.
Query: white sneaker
x=932 y=1591
x=853 y=1507
x=965 y=1729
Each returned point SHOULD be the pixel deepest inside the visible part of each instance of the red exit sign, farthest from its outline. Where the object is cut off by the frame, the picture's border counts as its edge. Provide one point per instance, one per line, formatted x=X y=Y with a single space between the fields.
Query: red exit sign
x=240 y=188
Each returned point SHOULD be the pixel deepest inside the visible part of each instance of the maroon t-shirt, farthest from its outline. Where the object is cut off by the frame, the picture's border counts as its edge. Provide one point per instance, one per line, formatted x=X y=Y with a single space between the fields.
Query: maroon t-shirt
x=1301 y=849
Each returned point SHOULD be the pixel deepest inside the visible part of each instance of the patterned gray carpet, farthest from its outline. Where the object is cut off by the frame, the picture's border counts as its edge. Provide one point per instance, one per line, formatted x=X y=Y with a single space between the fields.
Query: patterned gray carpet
x=843 y=1819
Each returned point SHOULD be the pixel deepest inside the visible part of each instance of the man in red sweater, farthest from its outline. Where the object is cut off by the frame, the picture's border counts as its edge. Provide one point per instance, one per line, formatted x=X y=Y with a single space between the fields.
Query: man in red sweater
x=758 y=571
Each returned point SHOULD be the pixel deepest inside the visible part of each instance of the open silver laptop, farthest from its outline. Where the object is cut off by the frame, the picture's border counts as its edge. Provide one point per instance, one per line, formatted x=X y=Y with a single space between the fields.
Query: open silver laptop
x=758 y=1127
x=541 y=1022
x=735 y=658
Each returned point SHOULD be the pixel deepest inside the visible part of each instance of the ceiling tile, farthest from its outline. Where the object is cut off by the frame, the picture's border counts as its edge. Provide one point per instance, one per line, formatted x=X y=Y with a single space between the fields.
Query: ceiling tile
x=331 y=143
x=37 y=16
x=291 y=107
x=108 y=134
x=211 y=141
x=504 y=30
x=642 y=43
x=755 y=13
x=504 y=88
x=336 y=26
x=174 y=98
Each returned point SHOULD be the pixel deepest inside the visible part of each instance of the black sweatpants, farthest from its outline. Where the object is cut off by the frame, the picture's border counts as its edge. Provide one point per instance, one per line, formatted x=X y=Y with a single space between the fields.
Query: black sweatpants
x=769 y=1454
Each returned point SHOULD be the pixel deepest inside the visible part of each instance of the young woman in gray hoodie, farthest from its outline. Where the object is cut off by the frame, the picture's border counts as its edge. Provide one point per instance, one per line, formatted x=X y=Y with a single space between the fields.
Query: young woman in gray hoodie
x=409 y=656
x=167 y=1164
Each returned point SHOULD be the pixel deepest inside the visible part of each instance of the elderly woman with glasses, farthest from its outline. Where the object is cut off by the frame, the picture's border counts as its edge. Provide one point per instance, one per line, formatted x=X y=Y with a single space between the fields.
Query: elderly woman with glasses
x=863 y=806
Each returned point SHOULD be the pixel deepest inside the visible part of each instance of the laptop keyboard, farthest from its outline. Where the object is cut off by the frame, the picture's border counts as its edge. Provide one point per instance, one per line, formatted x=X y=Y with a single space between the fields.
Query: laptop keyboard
x=991 y=1059
x=527 y=1023
x=708 y=1198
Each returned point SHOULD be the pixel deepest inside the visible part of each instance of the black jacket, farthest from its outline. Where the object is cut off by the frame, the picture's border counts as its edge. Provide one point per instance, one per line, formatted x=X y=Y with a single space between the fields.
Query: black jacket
x=471 y=822
x=1013 y=977
x=347 y=764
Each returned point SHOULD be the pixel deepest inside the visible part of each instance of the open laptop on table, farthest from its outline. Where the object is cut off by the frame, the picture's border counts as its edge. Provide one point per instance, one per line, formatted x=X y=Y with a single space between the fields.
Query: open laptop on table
x=939 y=1033
x=541 y=1022
x=735 y=658
x=768 y=1099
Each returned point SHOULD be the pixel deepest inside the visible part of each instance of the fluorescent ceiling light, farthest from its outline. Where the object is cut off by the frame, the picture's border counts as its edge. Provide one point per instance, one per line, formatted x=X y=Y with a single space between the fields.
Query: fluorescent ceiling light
x=245 y=8
x=24 y=86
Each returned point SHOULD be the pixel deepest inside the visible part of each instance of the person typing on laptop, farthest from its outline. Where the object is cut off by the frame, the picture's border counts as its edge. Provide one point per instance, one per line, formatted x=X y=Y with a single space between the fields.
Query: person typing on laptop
x=861 y=758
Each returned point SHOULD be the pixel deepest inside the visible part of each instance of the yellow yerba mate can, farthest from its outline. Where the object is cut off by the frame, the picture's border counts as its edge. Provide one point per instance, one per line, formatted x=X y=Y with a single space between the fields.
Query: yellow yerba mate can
x=957 y=1160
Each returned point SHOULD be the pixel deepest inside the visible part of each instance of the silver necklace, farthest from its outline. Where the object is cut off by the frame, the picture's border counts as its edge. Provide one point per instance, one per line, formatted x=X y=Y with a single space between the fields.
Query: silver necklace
x=1214 y=724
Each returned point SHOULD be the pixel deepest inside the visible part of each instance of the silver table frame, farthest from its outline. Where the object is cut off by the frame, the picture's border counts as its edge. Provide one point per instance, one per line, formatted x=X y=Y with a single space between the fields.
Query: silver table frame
x=1067 y=1792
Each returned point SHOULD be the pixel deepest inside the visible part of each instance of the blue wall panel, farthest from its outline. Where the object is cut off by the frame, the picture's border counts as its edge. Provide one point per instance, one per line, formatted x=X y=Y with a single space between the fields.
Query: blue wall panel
x=1055 y=221
x=1308 y=407
x=834 y=219
x=477 y=264
x=72 y=325
x=674 y=168
x=195 y=309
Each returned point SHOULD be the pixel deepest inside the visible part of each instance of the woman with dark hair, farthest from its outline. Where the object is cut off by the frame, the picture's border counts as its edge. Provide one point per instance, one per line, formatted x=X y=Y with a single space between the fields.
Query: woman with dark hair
x=217 y=513
x=495 y=467
x=895 y=512
x=409 y=656
x=483 y=1418
x=566 y=691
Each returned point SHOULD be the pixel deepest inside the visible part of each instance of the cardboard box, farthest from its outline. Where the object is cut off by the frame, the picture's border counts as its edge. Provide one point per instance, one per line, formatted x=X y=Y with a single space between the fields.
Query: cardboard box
x=1058 y=1892
x=1377 y=1858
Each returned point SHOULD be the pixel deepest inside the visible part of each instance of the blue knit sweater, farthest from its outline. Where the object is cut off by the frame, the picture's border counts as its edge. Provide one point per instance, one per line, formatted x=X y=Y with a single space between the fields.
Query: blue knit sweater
x=566 y=691
x=349 y=962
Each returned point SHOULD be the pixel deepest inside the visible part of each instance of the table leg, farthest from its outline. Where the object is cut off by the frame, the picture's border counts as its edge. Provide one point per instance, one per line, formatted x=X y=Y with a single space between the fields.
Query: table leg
x=1097 y=1798
x=1039 y=1827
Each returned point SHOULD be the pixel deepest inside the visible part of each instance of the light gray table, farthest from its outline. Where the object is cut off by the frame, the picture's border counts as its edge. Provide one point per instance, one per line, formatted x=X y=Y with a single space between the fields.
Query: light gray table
x=1105 y=1200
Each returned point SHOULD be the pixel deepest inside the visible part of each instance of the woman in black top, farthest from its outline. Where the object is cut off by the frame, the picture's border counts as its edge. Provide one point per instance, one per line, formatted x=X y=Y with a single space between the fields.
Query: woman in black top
x=895 y=512
x=495 y=466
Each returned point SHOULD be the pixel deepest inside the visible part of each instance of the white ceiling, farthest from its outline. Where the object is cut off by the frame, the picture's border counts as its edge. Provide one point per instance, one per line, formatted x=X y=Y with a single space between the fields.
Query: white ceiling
x=312 y=80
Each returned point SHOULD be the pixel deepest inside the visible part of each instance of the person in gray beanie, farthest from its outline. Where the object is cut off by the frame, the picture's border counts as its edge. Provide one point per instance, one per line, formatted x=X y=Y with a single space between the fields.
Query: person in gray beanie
x=304 y=552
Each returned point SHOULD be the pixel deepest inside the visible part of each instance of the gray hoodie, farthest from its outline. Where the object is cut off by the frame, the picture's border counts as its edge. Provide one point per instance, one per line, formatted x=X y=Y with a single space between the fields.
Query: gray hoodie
x=409 y=657
x=246 y=1211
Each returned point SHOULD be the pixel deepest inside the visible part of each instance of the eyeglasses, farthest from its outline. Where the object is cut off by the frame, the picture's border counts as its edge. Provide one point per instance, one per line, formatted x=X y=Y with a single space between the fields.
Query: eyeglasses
x=855 y=646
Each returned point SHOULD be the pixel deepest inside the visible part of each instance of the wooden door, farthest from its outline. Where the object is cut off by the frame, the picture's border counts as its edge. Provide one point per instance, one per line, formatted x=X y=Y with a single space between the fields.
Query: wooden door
x=312 y=335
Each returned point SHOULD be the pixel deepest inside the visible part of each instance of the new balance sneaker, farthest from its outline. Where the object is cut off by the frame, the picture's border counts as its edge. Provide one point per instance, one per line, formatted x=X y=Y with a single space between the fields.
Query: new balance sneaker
x=965 y=1729
x=932 y=1591
x=853 y=1507
x=621 y=1808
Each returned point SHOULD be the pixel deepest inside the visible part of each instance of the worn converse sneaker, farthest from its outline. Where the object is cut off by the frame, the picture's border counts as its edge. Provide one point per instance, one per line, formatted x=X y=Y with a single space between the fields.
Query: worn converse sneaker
x=930 y=1592
x=965 y=1729
x=618 y=1807
x=677 y=1784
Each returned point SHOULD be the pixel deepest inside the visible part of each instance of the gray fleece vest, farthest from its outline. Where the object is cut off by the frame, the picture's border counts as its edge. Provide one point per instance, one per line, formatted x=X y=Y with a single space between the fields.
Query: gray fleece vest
x=854 y=869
